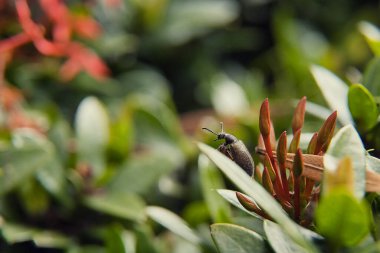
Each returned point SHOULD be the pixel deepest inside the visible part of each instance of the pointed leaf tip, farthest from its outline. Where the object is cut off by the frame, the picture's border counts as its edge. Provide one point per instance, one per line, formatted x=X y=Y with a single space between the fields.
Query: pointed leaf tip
x=264 y=120
x=299 y=115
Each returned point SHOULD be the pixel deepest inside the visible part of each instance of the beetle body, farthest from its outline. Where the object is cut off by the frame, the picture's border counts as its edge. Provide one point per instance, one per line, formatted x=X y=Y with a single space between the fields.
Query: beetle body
x=235 y=149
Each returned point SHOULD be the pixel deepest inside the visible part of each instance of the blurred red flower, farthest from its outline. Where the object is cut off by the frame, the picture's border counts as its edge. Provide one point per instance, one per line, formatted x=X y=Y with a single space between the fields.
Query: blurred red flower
x=64 y=24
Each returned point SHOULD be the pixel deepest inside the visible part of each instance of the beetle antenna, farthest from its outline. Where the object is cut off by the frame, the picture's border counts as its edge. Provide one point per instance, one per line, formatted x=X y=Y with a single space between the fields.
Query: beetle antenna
x=221 y=127
x=205 y=128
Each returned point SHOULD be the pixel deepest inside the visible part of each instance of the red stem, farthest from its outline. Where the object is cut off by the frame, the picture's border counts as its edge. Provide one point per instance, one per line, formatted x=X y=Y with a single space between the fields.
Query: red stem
x=296 y=199
x=284 y=181
x=268 y=148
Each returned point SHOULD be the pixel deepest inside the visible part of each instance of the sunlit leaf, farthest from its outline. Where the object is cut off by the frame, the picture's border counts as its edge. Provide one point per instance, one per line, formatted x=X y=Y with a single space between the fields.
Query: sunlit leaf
x=228 y=97
x=335 y=92
x=372 y=35
x=92 y=132
x=347 y=142
x=232 y=238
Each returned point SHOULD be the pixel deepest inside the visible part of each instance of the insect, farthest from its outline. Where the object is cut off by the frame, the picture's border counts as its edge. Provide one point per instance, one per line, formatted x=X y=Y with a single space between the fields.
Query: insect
x=234 y=149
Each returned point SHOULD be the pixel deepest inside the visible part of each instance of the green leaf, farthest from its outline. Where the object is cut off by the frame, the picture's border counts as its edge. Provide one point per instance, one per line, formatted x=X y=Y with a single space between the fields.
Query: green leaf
x=372 y=35
x=345 y=143
x=280 y=241
x=172 y=222
x=232 y=238
x=186 y=20
x=252 y=223
x=362 y=106
x=140 y=173
x=211 y=180
x=14 y=233
x=335 y=92
x=52 y=177
x=30 y=152
x=371 y=78
x=125 y=205
x=92 y=132
x=342 y=219
x=258 y=193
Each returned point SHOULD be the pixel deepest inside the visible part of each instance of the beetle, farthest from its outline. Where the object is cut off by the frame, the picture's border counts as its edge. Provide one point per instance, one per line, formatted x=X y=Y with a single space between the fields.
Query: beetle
x=234 y=149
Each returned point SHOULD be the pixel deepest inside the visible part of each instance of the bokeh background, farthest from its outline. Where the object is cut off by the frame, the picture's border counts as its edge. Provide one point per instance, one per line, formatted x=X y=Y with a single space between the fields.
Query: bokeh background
x=101 y=102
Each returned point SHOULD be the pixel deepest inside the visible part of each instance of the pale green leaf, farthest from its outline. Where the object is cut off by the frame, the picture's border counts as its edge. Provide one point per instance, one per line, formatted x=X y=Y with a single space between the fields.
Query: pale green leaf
x=371 y=77
x=92 y=132
x=335 y=92
x=345 y=143
x=280 y=241
x=253 y=223
x=228 y=97
x=232 y=238
x=372 y=35
x=125 y=205
x=373 y=163
x=172 y=222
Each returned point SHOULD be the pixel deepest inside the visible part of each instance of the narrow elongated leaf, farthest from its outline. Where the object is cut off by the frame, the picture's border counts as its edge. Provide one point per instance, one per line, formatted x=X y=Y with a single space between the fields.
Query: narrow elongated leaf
x=362 y=106
x=347 y=142
x=258 y=193
x=335 y=92
x=232 y=238
x=125 y=205
x=172 y=222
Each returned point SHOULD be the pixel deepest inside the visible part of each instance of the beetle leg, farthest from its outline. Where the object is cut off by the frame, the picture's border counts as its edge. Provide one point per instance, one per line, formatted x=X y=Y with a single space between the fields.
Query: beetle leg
x=226 y=151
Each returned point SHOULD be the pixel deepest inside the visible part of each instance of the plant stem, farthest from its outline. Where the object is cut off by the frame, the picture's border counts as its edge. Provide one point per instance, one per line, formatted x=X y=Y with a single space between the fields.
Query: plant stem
x=296 y=199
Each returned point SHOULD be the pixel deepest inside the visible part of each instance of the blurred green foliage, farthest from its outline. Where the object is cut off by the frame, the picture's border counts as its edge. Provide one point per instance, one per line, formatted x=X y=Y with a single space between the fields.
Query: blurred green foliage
x=85 y=162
